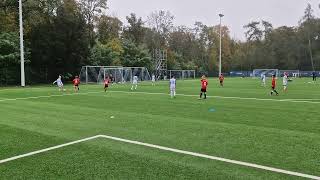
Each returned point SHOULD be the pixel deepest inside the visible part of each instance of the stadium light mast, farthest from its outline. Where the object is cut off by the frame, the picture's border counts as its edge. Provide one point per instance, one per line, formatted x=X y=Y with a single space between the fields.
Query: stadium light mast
x=220 y=53
x=23 y=81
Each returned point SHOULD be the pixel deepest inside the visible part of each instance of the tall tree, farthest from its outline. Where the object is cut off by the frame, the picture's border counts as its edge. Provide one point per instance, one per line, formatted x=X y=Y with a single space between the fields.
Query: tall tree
x=162 y=23
x=135 y=31
x=92 y=10
x=108 y=28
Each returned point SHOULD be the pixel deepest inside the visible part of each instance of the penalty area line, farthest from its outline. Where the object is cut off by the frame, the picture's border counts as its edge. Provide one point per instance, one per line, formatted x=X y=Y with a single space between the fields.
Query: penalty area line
x=241 y=163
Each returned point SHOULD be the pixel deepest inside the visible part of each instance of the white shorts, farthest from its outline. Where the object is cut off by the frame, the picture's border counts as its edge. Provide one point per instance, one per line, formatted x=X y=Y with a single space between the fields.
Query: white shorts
x=172 y=88
x=134 y=82
x=60 y=85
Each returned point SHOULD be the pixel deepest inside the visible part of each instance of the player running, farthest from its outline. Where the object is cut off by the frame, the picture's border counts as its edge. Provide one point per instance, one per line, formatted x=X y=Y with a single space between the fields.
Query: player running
x=59 y=83
x=285 y=80
x=273 y=86
x=221 y=79
x=106 y=84
x=204 y=85
x=153 y=80
x=172 y=85
x=76 y=83
x=263 y=80
x=134 y=83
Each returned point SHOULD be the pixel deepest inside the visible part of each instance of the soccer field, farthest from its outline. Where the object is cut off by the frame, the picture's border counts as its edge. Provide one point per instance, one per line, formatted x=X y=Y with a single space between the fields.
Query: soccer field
x=239 y=122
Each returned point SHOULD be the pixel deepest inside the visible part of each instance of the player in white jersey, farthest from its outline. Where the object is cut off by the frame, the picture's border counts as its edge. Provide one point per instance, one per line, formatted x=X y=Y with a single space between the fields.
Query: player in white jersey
x=153 y=80
x=172 y=85
x=285 y=82
x=263 y=80
x=59 y=83
x=134 y=83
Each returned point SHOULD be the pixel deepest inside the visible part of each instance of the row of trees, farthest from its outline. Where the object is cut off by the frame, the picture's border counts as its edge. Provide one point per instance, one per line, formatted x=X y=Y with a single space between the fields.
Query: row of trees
x=63 y=35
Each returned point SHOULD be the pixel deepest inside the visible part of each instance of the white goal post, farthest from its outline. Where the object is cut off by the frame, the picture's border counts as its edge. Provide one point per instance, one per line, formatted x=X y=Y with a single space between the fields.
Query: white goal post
x=267 y=72
x=118 y=74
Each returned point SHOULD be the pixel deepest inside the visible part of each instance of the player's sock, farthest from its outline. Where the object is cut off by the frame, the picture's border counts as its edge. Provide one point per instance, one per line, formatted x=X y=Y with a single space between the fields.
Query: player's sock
x=174 y=93
x=200 y=95
x=205 y=95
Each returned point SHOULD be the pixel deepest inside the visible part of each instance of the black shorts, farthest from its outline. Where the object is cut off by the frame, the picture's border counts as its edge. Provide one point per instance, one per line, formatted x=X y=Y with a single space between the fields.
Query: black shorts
x=106 y=86
x=77 y=85
x=273 y=88
x=203 y=90
x=221 y=82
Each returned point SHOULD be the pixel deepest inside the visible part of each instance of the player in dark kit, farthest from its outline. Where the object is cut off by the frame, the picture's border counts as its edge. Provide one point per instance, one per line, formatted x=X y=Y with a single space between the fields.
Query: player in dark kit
x=314 y=76
x=221 y=79
x=76 y=83
x=273 y=86
x=204 y=85
x=106 y=84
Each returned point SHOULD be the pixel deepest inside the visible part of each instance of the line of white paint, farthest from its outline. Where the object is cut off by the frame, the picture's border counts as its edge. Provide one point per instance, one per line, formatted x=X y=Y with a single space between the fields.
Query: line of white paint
x=225 y=97
x=48 y=96
x=186 y=95
x=214 y=158
x=47 y=149
x=292 y=173
x=13 y=89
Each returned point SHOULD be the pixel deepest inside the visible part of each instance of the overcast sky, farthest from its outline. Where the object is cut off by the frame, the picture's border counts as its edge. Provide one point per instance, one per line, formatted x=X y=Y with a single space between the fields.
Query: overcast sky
x=237 y=12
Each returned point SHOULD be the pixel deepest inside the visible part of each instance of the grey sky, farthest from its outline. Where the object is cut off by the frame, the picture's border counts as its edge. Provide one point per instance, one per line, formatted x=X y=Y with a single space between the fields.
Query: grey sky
x=237 y=12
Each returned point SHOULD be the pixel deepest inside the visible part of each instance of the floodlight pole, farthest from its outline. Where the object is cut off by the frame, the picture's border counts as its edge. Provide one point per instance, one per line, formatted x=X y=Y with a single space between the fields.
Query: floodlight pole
x=220 y=53
x=23 y=83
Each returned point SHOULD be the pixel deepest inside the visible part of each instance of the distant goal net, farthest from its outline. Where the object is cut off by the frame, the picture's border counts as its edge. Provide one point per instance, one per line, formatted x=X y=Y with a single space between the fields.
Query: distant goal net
x=267 y=72
x=182 y=74
x=291 y=73
x=118 y=74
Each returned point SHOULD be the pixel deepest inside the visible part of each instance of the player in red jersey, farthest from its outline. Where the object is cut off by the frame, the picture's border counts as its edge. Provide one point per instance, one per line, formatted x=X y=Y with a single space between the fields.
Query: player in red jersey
x=221 y=79
x=106 y=84
x=204 y=85
x=273 y=86
x=76 y=83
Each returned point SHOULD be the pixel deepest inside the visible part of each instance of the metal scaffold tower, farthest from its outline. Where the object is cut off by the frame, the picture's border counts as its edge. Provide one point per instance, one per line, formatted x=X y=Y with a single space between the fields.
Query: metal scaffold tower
x=160 y=63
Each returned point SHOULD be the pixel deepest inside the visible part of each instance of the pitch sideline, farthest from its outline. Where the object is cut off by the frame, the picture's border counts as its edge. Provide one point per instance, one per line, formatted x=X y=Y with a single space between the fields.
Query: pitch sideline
x=241 y=163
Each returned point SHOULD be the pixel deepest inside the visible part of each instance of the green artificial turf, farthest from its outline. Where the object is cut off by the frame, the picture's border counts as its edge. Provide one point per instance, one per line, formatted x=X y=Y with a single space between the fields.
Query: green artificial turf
x=275 y=133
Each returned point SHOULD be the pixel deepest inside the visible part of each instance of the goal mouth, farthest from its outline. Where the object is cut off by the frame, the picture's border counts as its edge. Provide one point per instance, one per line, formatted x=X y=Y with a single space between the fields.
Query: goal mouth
x=117 y=74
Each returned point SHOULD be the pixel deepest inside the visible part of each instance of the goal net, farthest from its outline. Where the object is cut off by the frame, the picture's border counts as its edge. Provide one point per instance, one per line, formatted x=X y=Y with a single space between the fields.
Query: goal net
x=182 y=74
x=267 y=72
x=118 y=74
x=291 y=73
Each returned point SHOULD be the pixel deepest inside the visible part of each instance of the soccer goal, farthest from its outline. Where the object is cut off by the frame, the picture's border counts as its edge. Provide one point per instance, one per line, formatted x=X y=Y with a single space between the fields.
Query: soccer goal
x=267 y=72
x=182 y=74
x=291 y=73
x=118 y=74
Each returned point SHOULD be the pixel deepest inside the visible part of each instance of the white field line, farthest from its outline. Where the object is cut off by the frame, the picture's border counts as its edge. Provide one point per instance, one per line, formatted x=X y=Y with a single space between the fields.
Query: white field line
x=47 y=149
x=185 y=95
x=48 y=96
x=13 y=89
x=226 y=97
x=276 y=170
